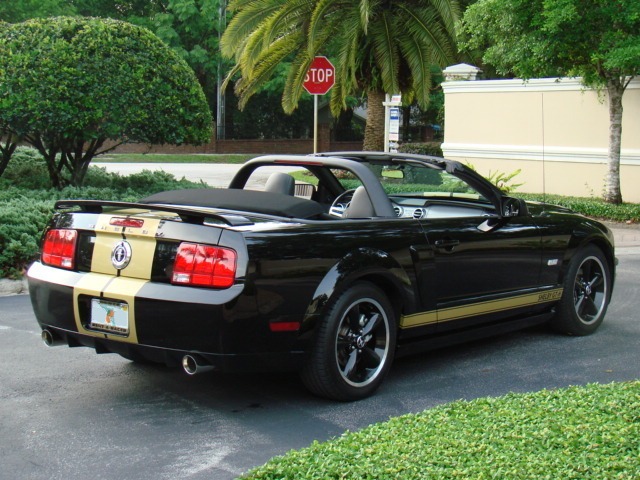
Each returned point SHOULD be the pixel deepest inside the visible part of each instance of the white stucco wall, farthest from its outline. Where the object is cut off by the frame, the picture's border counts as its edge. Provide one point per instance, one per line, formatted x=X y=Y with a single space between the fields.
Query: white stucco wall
x=554 y=130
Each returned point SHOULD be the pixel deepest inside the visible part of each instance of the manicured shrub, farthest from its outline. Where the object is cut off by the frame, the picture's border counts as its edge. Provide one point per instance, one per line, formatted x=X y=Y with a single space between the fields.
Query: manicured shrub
x=592 y=207
x=428 y=148
x=22 y=221
x=27 y=169
x=68 y=84
x=24 y=212
x=579 y=432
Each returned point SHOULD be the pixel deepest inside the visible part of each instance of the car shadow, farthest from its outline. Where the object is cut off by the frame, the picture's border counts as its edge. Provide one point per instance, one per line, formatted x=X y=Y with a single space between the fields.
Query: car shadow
x=423 y=376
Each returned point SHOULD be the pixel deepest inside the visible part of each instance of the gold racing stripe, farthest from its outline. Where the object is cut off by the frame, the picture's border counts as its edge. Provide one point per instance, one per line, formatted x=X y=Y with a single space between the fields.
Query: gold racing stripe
x=480 y=308
x=142 y=241
x=121 y=290
x=105 y=282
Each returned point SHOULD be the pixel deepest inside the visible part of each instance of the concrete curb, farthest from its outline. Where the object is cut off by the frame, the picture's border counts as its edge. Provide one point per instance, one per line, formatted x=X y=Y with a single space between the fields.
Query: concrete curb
x=13 y=287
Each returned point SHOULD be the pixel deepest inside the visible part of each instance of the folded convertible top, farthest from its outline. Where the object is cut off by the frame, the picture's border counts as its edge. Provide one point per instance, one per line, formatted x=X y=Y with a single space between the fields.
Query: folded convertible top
x=243 y=201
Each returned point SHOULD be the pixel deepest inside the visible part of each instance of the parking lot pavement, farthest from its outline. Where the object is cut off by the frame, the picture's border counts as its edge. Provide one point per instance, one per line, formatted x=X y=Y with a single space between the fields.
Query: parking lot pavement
x=71 y=414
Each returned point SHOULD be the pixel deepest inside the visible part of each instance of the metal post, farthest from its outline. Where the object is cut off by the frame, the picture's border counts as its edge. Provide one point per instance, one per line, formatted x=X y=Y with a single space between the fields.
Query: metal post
x=390 y=101
x=220 y=110
x=387 y=105
x=315 y=124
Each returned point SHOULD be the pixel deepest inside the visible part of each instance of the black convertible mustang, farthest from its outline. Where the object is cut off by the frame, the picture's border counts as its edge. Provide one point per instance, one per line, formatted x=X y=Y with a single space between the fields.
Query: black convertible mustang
x=335 y=265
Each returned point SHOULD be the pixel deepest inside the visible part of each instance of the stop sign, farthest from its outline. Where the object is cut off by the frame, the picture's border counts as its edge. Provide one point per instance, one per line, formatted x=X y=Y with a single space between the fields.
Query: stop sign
x=320 y=77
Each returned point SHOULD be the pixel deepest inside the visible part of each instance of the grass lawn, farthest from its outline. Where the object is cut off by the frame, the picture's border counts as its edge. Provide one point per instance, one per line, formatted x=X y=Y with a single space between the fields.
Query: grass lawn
x=590 y=432
x=171 y=158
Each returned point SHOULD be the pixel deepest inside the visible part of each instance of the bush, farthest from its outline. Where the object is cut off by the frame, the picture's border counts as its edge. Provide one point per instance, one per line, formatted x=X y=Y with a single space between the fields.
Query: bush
x=591 y=207
x=579 y=432
x=429 y=148
x=71 y=82
x=22 y=221
x=25 y=212
x=27 y=169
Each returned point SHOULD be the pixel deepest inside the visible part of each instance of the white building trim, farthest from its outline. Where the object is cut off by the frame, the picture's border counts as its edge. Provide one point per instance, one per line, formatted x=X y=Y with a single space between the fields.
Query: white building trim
x=519 y=85
x=537 y=153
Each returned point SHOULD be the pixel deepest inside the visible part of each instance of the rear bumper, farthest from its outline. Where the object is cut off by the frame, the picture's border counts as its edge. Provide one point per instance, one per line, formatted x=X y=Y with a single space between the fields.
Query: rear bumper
x=166 y=322
x=246 y=362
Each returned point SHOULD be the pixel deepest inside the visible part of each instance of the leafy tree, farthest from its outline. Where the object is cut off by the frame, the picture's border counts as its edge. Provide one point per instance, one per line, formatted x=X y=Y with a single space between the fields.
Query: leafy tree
x=598 y=40
x=134 y=11
x=380 y=47
x=263 y=116
x=8 y=145
x=14 y=11
x=191 y=28
x=71 y=83
x=8 y=140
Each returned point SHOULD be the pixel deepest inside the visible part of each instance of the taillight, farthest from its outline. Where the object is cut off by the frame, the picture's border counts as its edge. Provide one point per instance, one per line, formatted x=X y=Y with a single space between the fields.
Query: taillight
x=204 y=266
x=59 y=248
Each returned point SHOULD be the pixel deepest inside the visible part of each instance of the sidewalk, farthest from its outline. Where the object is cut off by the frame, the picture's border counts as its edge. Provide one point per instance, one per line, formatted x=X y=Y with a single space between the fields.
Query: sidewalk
x=625 y=236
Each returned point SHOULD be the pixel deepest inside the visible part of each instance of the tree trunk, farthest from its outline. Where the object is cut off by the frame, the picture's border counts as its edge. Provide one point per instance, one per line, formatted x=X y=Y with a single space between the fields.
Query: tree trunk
x=49 y=153
x=615 y=88
x=374 y=130
x=6 y=150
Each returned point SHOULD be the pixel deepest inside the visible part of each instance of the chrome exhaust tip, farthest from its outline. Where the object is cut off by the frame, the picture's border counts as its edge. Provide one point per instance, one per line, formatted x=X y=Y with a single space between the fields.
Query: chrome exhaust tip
x=51 y=340
x=193 y=365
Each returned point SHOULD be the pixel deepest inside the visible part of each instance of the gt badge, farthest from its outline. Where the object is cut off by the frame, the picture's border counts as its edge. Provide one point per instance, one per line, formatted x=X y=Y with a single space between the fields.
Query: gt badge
x=121 y=255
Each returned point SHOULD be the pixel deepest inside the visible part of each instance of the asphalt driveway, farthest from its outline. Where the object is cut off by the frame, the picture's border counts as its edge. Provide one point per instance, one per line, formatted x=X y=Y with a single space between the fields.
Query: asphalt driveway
x=71 y=414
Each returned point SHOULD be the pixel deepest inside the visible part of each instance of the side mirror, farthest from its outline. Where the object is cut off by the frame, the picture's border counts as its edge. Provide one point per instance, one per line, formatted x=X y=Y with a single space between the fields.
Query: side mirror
x=511 y=207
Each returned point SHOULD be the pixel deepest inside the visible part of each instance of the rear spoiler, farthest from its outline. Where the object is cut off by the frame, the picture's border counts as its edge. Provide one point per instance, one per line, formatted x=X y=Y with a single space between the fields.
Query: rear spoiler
x=187 y=215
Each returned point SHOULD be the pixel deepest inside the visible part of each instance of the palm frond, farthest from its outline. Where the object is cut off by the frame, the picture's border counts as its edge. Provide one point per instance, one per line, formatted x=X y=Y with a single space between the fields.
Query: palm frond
x=264 y=68
x=293 y=88
x=289 y=17
x=346 y=67
x=417 y=55
x=249 y=15
x=232 y=73
x=449 y=11
x=366 y=8
x=385 y=50
x=319 y=23
x=426 y=26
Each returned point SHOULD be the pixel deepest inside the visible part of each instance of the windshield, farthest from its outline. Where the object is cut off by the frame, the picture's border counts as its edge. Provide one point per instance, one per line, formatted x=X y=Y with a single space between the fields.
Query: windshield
x=412 y=180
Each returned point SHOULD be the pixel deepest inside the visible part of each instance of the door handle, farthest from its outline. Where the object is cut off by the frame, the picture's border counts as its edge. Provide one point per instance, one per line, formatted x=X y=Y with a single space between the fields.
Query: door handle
x=449 y=244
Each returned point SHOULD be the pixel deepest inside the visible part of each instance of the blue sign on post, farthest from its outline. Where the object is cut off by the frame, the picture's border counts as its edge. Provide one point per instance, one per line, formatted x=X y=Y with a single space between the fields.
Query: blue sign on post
x=394 y=124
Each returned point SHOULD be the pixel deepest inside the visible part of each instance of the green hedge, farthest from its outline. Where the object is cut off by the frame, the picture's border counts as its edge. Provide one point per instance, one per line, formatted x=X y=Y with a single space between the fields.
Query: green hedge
x=26 y=206
x=428 y=148
x=574 y=433
x=591 y=207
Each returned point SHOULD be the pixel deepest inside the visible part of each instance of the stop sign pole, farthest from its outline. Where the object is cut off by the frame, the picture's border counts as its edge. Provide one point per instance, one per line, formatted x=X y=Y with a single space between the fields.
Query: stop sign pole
x=319 y=79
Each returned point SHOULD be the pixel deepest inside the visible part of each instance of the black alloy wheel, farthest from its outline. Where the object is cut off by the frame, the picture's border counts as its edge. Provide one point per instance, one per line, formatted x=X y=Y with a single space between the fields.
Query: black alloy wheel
x=587 y=290
x=355 y=345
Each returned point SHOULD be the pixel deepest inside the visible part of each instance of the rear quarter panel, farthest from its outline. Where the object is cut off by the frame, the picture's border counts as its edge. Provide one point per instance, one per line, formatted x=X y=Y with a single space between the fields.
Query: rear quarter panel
x=295 y=269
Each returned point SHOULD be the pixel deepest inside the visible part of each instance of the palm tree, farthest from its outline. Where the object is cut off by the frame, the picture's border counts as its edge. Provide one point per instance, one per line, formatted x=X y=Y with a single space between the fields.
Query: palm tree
x=381 y=46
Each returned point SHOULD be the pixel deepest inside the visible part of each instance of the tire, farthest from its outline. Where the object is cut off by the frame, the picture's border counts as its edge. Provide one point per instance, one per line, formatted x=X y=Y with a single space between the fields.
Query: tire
x=354 y=345
x=586 y=294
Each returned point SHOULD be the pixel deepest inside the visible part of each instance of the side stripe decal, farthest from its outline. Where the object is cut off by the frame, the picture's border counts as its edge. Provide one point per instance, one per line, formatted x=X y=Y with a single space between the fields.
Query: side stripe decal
x=480 y=308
